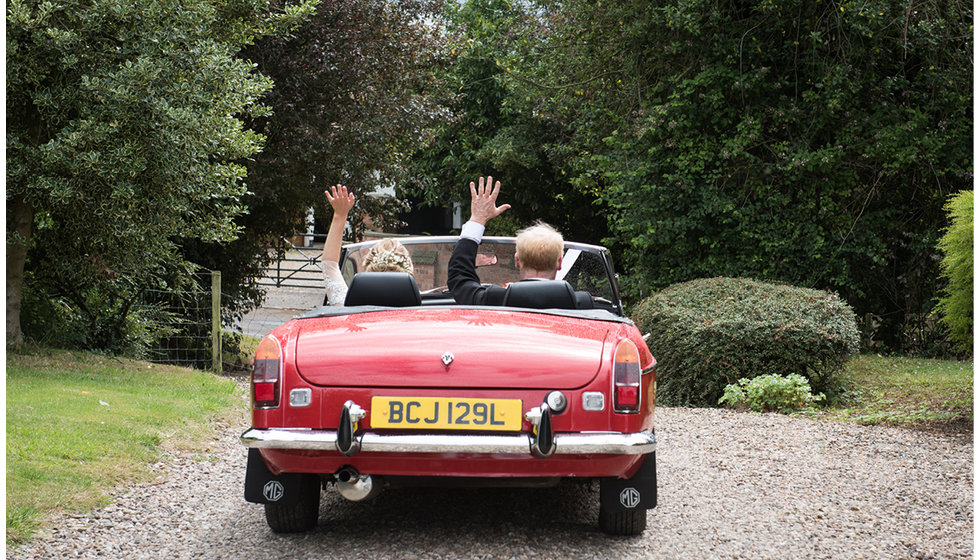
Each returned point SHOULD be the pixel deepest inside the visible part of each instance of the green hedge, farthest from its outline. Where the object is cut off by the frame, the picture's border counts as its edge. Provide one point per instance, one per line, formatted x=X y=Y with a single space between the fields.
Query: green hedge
x=709 y=333
x=956 y=305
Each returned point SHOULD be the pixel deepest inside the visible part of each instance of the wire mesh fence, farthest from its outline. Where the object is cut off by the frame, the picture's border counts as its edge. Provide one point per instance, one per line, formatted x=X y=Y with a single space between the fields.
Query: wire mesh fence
x=187 y=322
x=190 y=319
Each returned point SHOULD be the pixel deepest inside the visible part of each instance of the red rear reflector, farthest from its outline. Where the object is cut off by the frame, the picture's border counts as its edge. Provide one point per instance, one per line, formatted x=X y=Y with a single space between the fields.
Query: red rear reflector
x=265 y=392
x=627 y=396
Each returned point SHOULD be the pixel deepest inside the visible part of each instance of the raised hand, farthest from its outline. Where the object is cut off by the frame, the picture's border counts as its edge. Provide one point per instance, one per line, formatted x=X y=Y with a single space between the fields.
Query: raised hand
x=483 y=201
x=340 y=199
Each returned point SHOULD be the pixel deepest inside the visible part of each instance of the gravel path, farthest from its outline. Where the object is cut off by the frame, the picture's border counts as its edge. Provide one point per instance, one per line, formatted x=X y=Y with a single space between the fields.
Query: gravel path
x=731 y=485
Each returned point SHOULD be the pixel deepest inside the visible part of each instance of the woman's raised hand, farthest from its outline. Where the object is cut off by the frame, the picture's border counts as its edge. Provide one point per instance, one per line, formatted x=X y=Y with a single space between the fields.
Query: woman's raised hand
x=340 y=199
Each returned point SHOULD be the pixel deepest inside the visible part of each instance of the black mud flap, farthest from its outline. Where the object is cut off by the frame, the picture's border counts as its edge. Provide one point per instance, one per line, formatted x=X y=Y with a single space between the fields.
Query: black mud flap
x=263 y=487
x=638 y=492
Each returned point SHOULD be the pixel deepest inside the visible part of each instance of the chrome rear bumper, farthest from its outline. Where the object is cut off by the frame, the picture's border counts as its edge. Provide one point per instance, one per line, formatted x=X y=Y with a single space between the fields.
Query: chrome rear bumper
x=606 y=443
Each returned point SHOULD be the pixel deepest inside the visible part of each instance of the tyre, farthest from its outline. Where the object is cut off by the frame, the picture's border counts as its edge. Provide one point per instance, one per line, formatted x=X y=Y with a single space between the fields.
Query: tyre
x=629 y=522
x=294 y=518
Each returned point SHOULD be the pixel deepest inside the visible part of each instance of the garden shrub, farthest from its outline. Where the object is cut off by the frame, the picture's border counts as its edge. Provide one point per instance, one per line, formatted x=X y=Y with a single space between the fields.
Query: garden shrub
x=956 y=304
x=771 y=393
x=709 y=333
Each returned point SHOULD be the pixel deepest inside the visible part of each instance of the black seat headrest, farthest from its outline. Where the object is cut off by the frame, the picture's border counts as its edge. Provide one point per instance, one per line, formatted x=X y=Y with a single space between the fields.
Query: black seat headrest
x=540 y=294
x=387 y=289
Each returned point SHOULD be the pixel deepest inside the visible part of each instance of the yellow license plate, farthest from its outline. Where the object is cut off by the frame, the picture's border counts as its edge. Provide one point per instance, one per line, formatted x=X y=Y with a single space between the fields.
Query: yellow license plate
x=442 y=413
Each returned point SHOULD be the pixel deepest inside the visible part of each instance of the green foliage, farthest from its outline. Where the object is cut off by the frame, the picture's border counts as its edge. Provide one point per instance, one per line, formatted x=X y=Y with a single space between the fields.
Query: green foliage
x=55 y=321
x=497 y=127
x=123 y=140
x=350 y=102
x=709 y=333
x=956 y=305
x=771 y=393
x=237 y=352
x=812 y=143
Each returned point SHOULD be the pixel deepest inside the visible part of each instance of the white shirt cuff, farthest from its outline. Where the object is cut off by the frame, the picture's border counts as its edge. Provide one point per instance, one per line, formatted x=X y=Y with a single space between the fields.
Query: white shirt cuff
x=472 y=230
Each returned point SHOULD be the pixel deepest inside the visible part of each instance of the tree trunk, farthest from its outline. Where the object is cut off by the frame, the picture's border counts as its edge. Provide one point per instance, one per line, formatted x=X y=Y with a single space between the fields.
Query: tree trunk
x=21 y=218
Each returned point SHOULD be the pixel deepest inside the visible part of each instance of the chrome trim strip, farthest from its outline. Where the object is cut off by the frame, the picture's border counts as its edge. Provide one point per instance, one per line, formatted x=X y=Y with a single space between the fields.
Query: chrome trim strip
x=606 y=443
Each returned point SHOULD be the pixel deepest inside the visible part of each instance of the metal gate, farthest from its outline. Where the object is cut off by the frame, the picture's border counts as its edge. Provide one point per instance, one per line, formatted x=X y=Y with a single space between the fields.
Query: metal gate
x=296 y=266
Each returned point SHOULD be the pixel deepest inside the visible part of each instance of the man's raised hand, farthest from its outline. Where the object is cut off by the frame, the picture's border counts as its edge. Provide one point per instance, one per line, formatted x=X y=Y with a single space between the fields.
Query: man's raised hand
x=483 y=201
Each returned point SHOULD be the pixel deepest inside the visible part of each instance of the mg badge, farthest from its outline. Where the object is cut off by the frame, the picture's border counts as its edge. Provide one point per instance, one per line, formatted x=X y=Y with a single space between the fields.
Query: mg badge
x=629 y=497
x=447 y=358
x=273 y=491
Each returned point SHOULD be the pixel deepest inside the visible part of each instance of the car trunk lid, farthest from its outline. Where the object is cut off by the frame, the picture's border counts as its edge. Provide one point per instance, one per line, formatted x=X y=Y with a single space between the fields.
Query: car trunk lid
x=451 y=348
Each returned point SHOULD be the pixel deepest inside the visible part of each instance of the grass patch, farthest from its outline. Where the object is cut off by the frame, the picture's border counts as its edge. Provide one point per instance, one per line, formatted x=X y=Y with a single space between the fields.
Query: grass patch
x=237 y=352
x=908 y=392
x=79 y=424
x=248 y=346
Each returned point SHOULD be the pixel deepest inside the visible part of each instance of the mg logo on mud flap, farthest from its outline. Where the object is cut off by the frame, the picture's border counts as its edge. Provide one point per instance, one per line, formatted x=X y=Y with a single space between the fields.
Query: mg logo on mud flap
x=273 y=491
x=629 y=497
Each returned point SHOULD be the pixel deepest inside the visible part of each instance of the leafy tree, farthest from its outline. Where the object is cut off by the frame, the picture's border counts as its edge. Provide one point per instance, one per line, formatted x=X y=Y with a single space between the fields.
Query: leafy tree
x=497 y=126
x=122 y=139
x=350 y=102
x=956 y=303
x=807 y=142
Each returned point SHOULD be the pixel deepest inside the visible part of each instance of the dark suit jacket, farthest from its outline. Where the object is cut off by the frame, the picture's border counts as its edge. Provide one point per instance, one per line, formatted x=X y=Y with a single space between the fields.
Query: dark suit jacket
x=463 y=282
x=465 y=286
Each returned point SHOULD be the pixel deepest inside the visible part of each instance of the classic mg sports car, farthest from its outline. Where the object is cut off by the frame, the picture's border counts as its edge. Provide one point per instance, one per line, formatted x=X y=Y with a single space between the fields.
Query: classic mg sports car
x=403 y=386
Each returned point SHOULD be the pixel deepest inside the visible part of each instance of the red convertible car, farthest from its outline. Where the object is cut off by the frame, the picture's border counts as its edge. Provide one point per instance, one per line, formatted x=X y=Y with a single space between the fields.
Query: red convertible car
x=403 y=386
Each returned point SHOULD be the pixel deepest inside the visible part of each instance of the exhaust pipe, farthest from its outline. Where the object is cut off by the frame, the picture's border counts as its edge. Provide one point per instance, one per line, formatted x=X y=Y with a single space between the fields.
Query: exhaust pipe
x=356 y=487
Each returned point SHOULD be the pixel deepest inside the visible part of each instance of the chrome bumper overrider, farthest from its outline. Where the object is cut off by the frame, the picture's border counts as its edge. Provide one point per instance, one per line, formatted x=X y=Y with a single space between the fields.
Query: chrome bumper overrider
x=609 y=443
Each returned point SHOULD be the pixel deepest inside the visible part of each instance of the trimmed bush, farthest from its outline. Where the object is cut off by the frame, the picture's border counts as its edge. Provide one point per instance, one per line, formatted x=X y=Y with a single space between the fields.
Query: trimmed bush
x=956 y=304
x=707 y=334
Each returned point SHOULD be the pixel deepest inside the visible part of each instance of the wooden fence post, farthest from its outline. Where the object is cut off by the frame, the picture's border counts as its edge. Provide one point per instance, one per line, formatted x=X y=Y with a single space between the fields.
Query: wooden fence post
x=216 y=321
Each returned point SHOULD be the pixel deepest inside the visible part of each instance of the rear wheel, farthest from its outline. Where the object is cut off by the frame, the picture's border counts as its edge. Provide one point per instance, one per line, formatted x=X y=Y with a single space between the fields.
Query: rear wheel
x=629 y=522
x=294 y=518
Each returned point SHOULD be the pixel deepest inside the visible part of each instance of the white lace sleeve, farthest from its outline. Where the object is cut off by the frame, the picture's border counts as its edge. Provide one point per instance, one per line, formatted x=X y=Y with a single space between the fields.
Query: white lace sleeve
x=336 y=287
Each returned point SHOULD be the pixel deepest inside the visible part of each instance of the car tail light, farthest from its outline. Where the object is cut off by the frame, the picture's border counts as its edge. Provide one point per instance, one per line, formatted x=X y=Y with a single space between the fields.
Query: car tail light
x=265 y=374
x=626 y=378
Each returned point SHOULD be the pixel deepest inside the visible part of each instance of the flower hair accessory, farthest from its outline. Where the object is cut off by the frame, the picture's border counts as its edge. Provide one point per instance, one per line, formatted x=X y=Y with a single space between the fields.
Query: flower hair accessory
x=387 y=260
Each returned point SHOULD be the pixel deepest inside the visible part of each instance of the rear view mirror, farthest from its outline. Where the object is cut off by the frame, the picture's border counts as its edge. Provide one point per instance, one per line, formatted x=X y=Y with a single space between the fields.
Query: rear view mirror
x=486 y=259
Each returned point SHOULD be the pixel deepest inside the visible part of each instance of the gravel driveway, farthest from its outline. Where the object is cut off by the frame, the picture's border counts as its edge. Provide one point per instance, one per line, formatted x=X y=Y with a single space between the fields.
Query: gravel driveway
x=731 y=485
